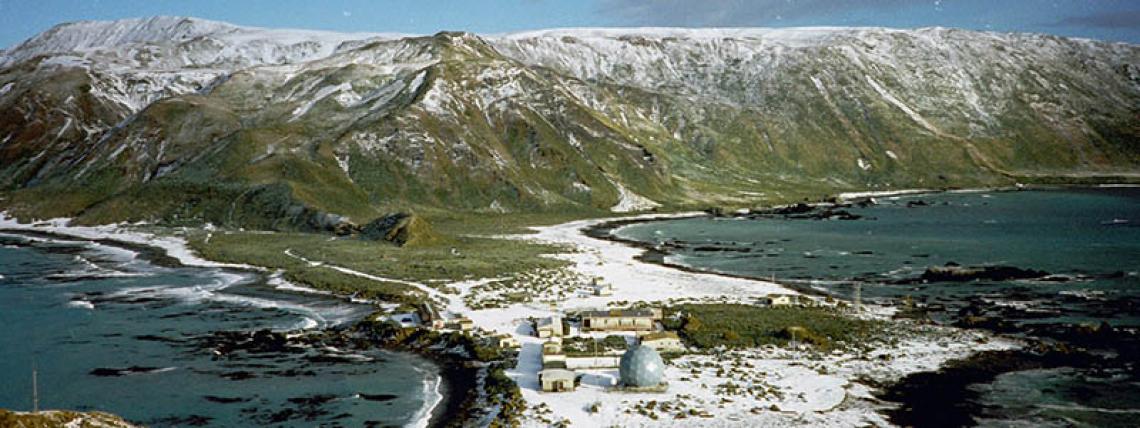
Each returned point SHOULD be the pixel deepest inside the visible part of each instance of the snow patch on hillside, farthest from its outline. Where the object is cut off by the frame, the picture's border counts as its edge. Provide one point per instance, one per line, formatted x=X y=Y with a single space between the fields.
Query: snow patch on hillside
x=629 y=201
x=905 y=108
x=321 y=94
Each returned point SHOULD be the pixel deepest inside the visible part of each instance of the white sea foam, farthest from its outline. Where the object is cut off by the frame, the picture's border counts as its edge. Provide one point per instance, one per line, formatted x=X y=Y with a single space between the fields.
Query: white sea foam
x=81 y=304
x=277 y=281
x=306 y=323
x=1079 y=408
x=174 y=246
x=432 y=398
x=210 y=290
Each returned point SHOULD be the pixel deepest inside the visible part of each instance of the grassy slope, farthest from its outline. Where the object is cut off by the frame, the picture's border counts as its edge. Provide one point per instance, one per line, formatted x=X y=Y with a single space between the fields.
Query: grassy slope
x=457 y=256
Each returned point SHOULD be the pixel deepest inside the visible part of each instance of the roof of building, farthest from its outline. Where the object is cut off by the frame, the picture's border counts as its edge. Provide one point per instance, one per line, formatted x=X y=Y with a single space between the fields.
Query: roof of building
x=614 y=313
x=658 y=335
x=557 y=374
x=550 y=321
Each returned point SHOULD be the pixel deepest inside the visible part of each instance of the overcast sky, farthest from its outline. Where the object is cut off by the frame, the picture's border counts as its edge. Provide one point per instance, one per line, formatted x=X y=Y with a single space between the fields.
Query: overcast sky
x=1117 y=20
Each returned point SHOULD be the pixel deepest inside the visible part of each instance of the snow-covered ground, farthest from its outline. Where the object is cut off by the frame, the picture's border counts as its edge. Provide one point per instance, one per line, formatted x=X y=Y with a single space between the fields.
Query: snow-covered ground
x=842 y=197
x=632 y=280
x=758 y=387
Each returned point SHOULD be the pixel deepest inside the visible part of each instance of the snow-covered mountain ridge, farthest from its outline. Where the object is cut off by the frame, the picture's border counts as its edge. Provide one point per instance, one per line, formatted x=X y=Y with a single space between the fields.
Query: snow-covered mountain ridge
x=304 y=125
x=168 y=43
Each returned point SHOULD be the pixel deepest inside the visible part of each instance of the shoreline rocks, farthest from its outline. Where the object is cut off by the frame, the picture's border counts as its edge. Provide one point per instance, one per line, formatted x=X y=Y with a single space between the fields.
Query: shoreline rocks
x=953 y=272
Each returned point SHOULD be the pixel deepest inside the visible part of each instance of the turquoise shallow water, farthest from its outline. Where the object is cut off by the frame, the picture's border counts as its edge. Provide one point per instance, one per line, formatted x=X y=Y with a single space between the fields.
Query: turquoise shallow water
x=1090 y=238
x=85 y=314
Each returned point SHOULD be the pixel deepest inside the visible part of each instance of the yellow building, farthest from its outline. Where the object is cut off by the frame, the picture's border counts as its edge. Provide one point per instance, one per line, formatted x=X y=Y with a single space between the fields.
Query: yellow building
x=464 y=324
x=558 y=380
x=786 y=300
x=507 y=341
x=552 y=347
x=663 y=341
x=618 y=320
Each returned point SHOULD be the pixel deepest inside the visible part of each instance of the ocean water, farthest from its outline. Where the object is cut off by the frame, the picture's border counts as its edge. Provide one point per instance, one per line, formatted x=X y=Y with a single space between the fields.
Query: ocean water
x=107 y=330
x=1088 y=239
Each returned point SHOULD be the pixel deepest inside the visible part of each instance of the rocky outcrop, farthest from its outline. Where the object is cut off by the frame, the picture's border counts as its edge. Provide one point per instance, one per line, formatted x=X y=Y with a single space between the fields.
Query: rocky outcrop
x=400 y=229
x=952 y=272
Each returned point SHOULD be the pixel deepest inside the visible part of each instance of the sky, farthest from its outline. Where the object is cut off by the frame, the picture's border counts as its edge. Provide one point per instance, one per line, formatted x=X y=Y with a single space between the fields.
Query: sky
x=1115 y=20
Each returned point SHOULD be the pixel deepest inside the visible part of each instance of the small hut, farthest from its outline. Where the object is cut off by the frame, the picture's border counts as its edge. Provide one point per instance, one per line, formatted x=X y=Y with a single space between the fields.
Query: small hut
x=558 y=380
x=549 y=327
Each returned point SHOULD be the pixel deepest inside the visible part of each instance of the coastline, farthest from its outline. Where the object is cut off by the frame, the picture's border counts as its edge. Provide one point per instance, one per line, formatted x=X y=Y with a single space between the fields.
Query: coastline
x=836 y=391
x=174 y=248
x=630 y=266
x=602 y=229
x=653 y=255
x=922 y=395
x=167 y=251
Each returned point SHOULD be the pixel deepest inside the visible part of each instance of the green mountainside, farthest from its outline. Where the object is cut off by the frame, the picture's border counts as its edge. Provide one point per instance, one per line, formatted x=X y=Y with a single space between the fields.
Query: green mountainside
x=184 y=121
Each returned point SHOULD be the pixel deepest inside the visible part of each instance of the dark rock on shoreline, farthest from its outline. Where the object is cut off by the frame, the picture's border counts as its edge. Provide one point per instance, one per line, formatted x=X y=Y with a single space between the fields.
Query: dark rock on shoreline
x=377 y=397
x=156 y=338
x=186 y=421
x=308 y=408
x=224 y=400
x=468 y=366
x=804 y=211
x=224 y=343
x=944 y=398
x=800 y=208
x=113 y=372
x=952 y=272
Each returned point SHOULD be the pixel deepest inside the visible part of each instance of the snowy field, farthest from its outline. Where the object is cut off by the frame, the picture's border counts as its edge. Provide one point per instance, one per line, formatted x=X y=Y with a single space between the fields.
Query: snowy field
x=756 y=387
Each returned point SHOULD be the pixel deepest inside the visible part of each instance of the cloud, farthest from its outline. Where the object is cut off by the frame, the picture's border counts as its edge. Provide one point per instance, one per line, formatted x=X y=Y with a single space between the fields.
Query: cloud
x=1125 y=19
x=734 y=13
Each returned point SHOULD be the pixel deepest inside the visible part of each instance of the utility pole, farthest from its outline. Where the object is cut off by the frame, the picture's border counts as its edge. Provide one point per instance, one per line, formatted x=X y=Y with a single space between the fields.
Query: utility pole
x=35 y=390
x=595 y=350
